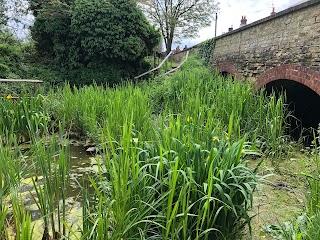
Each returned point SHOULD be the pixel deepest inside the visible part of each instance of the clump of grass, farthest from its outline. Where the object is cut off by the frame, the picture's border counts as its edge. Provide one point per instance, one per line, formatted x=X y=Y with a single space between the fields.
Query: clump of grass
x=17 y=115
x=13 y=168
x=92 y=109
x=176 y=188
x=50 y=197
x=210 y=99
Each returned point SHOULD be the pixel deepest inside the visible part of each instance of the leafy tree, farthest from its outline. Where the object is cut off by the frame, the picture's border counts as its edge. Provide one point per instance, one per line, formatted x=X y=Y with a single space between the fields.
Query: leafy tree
x=179 y=19
x=93 y=34
x=10 y=55
x=52 y=28
x=3 y=16
x=114 y=29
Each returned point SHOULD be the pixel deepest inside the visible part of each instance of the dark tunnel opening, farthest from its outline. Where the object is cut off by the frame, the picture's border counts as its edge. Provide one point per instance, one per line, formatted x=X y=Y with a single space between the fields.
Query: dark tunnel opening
x=226 y=75
x=304 y=105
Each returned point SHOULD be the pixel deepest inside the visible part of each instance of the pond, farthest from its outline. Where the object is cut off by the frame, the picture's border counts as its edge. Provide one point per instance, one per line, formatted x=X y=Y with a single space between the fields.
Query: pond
x=80 y=167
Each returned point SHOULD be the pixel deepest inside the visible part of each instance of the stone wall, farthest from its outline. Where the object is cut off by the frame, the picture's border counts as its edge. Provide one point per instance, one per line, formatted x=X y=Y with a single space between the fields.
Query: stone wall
x=290 y=37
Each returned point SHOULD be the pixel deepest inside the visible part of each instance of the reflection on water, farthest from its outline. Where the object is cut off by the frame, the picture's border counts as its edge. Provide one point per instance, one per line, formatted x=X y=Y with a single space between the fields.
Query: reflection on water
x=81 y=166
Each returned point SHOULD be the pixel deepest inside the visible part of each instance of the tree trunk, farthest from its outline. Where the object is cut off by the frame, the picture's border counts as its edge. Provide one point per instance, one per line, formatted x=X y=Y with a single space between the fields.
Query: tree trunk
x=168 y=46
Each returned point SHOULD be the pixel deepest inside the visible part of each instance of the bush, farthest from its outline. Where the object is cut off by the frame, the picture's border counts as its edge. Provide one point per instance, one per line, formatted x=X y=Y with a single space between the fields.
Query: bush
x=10 y=56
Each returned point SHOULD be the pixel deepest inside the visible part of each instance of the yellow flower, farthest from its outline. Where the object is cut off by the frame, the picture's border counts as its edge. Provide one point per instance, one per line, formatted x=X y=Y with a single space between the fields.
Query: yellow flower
x=9 y=97
x=135 y=140
x=215 y=138
x=189 y=119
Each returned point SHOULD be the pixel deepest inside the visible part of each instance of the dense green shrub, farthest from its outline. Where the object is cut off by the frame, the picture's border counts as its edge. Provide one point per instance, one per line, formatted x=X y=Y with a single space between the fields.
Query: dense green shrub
x=10 y=56
x=85 y=37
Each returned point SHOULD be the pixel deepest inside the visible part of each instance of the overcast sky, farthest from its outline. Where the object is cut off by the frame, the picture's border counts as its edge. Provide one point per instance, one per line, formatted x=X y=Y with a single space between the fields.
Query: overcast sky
x=231 y=11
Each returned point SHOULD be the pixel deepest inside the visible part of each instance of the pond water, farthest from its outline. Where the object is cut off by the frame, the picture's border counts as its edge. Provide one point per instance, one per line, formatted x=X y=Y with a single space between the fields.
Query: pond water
x=81 y=166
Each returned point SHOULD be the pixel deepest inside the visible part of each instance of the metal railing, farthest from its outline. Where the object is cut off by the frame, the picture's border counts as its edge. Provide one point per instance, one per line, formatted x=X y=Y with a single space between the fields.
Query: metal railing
x=156 y=68
x=177 y=68
x=35 y=82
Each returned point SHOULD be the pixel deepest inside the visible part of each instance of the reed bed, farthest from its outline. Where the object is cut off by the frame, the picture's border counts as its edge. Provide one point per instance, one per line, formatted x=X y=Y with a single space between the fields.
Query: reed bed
x=94 y=109
x=173 y=155
x=175 y=188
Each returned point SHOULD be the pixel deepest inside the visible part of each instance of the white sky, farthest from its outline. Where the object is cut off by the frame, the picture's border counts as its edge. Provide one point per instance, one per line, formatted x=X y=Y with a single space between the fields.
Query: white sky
x=230 y=14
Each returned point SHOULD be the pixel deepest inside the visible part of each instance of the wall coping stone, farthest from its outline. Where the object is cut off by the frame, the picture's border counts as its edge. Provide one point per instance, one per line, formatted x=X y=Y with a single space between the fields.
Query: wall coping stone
x=276 y=15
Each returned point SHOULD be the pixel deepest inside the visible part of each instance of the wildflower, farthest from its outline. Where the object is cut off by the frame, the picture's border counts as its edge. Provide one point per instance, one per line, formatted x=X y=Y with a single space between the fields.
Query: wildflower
x=135 y=140
x=227 y=137
x=9 y=97
x=189 y=119
x=215 y=138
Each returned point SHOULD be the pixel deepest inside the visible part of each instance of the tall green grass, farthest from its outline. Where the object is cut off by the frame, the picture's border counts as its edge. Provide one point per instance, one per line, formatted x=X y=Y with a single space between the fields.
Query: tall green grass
x=174 y=188
x=50 y=197
x=17 y=115
x=173 y=156
x=92 y=109
x=209 y=99
x=45 y=157
x=194 y=93
x=13 y=168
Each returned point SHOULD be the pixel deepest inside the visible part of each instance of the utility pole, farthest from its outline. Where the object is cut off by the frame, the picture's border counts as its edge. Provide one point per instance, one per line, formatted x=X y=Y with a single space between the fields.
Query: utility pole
x=215 y=28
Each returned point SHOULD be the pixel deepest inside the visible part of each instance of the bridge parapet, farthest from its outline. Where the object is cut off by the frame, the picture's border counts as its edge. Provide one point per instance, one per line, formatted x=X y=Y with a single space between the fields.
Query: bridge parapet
x=290 y=37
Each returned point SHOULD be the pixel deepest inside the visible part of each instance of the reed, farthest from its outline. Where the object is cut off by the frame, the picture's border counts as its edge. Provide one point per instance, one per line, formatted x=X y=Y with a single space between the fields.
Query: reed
x=51 y=164
x=92 y=109
x=175 y=187
x=173 y=156
x=262 y=118
x=18 y=114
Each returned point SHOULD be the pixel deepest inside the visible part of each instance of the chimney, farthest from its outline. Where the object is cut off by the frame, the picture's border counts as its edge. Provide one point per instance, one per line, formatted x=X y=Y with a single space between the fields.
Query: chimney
x=273 y=11
x=243 y=21
x=230 y=28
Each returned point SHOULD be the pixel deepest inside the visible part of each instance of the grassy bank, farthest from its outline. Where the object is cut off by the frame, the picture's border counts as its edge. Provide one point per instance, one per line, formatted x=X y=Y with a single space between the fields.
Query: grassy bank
x=174 y=155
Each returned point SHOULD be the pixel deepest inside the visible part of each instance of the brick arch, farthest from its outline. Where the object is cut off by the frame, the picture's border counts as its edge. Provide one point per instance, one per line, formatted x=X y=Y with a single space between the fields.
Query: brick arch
x=229 y=68
x=303 y=75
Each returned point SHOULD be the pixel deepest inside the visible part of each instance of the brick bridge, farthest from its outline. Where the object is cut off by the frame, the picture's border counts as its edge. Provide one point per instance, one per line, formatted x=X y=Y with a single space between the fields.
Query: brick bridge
x=279 y=51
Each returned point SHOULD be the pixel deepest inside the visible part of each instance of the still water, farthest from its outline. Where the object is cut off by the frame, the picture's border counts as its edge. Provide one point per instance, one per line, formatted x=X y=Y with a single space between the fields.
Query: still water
x=80 y=166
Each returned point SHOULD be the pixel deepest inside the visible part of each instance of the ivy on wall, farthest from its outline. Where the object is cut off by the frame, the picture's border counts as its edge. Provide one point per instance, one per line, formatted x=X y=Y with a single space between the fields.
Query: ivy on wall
x=206 y=50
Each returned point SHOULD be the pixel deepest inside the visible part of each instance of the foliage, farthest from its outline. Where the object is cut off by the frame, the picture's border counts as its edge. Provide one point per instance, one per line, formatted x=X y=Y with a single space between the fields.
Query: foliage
x=101 y=109
x=85 y=35
x=51 y=30
x=3 y=17
x=10 y=56
x=123 y=35
x=17 y=116
x=173 y=164
x=214 y=99
x=206 y=50
x=179 y=19
x=174 y=188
